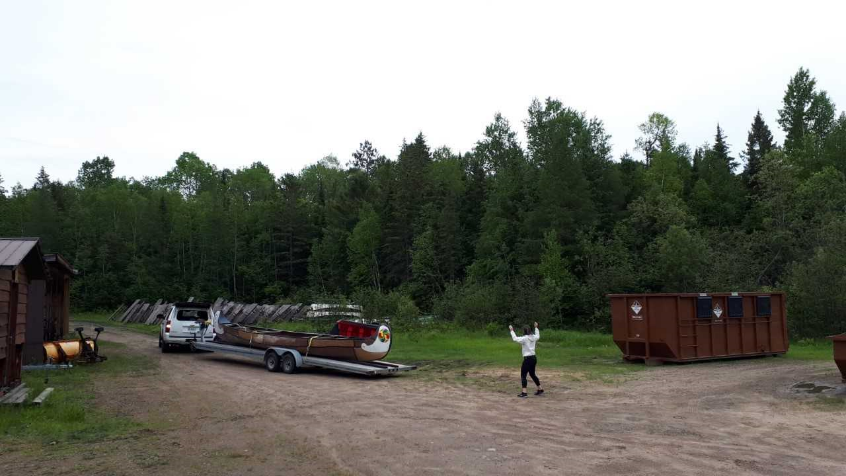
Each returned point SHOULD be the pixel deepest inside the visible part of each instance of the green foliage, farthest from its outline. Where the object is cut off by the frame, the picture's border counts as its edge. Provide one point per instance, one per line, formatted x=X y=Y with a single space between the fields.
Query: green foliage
x=363 y=245
x=680 y=260
x=394 y=307
x=806 y=112
x=759 y=143
x=503 y=233
x=583 y=355
x=658 y=135
x=818 y=286
x=96 y=173
x=68 y=415
x=479 y=304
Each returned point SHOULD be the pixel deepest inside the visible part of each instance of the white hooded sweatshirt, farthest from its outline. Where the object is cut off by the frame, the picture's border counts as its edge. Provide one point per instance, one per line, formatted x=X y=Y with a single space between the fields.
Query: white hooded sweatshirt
x=527 y=342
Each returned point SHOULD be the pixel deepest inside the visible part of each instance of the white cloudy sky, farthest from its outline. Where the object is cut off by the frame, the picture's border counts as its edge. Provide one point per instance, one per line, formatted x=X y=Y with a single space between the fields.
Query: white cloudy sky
x=290 y=82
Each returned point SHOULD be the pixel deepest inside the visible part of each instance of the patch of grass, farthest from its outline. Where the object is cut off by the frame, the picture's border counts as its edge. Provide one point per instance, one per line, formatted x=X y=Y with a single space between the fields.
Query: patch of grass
x=829 y=404
x=578 y=355
x=443 y=350
x=811 y=349
x=555 y=348
x=68 y=414
x=102 y=319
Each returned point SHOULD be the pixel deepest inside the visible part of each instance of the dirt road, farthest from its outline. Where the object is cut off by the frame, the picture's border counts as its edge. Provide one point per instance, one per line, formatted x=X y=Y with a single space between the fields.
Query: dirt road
x=231 y=417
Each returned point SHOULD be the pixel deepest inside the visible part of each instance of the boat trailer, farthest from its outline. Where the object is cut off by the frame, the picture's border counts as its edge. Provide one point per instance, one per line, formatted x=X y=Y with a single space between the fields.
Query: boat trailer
x=276 y=359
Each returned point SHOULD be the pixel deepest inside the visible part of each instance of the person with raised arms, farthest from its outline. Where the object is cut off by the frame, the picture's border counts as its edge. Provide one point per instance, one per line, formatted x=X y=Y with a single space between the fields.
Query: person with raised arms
x=527 y=341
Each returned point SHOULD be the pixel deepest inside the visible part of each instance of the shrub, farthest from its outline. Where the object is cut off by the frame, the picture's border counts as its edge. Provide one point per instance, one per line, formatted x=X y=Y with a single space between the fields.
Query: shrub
x=480 y=304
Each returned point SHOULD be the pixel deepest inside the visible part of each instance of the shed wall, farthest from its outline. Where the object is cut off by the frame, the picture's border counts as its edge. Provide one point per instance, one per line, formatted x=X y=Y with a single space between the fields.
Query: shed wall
x=37 y=320
x=16 y=300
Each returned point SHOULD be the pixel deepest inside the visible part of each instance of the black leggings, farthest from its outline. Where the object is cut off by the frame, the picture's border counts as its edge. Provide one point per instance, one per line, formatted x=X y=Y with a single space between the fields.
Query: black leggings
x=529 y=364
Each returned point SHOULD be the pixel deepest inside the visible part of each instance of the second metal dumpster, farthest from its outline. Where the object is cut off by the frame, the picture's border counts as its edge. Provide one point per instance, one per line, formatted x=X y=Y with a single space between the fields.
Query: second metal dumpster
x=840 y=353
x=690 y=326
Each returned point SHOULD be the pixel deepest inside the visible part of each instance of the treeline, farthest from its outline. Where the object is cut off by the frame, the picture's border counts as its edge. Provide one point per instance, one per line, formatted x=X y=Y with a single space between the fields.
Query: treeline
x=503 y=233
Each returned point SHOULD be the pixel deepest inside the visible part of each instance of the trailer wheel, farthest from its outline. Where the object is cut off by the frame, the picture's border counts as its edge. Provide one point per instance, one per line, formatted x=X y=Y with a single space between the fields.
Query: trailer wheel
x=289 y=364
x=271 y=361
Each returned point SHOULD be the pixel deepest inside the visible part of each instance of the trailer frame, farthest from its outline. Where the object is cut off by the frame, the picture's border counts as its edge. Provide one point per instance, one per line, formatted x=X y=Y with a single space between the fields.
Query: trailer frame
x=289 y=361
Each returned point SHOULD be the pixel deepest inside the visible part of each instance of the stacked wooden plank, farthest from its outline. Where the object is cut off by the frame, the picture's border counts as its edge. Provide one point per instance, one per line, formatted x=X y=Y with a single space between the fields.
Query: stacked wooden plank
x=240 y=312
x=19 y=394
x=16 y=397
x=252 y=313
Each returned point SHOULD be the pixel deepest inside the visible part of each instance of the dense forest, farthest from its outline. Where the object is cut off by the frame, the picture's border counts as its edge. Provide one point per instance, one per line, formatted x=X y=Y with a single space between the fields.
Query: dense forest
x=506 y=232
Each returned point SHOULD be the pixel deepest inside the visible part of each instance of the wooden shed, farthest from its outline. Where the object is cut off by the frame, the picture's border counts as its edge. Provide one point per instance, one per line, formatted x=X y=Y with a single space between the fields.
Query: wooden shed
x=48 y=313
x=21 y=261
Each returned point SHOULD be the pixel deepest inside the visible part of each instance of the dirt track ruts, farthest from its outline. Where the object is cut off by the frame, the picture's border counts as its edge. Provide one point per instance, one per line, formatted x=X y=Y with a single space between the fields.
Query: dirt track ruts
x=734 y=417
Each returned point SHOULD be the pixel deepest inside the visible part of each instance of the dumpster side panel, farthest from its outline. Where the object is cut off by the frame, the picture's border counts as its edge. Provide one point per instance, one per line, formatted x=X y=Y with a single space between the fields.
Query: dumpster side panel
x=679 y=327
x=663 y=327
x=778 y=328
x=618 y=323
x=718 y=326
x=690 y=329
x=747 y=326
x=840 y=353
x=702 y=328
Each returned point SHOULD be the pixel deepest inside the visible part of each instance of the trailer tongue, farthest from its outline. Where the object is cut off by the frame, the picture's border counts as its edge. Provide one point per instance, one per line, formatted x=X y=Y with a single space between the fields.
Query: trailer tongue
x=289 y=360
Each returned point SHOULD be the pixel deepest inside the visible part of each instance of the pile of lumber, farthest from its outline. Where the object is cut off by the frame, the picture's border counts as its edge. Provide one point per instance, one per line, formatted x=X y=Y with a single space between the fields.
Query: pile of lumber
x=239 y=312
x=19 y=394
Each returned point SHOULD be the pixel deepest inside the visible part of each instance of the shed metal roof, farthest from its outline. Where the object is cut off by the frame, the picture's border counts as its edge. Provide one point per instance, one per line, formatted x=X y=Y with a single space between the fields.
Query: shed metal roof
x=14 y=250
x=26 y=251
x=59 y=261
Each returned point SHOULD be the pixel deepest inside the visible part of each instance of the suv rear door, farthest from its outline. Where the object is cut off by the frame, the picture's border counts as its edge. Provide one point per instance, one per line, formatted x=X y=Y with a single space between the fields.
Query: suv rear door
x=187 y=322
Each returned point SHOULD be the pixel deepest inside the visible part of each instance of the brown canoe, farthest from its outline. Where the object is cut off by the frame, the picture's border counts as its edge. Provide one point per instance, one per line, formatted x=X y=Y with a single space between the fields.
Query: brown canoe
x=347 y=341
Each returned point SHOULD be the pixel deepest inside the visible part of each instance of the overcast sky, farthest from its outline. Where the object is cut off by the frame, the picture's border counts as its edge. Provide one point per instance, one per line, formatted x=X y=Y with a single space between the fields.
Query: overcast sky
x=287 y=83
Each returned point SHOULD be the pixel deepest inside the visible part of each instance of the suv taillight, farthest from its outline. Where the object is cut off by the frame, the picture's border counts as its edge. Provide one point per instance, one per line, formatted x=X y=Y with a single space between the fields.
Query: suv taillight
x=167 y=326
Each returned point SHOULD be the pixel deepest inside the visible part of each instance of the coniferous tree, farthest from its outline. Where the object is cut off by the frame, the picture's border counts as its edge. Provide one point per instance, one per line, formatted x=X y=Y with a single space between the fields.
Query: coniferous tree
x=835 y=145
x=42 y=180
x=721 y=150
x=758 y=144
x=365 y=158
x=717 y=197
x=473 y=202
x=476 y=237
x=559 y=192
x=499 y=229
x=411 y=194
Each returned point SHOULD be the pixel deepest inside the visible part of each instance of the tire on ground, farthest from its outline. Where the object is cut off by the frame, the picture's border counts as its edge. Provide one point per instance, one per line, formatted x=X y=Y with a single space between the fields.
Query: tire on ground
x=271 y=361
x=289 y=363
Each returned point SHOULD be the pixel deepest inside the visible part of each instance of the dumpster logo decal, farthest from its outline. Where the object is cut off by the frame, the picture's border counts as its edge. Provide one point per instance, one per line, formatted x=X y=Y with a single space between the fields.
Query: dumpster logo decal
x=636 y=307
x=718 y=311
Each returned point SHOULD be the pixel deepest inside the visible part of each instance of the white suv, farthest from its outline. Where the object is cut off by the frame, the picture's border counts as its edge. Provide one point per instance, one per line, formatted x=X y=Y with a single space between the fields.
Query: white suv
x=187 y=321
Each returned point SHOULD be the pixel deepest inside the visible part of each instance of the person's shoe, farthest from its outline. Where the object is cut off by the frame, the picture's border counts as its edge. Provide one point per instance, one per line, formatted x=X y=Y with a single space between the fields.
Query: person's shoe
x=539 y=392
x=522 y=395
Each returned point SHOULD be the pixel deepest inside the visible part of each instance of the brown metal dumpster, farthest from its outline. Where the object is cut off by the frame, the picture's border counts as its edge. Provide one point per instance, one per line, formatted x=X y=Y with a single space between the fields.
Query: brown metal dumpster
x=840 y=353
x=686 y=327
